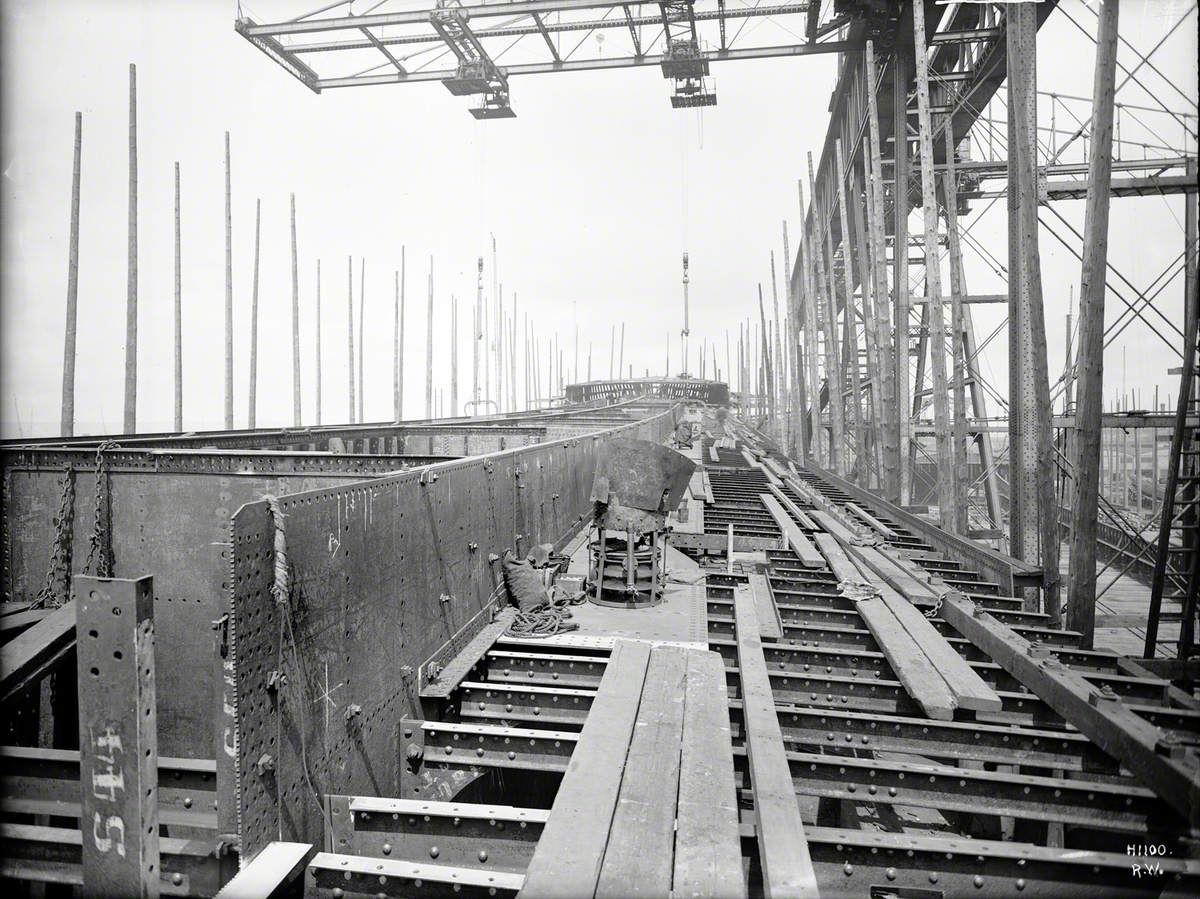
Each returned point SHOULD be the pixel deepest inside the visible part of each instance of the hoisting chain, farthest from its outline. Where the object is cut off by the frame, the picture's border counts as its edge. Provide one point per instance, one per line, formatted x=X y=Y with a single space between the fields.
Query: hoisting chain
x=936 y=610
x=60 y=552
x=99 y=546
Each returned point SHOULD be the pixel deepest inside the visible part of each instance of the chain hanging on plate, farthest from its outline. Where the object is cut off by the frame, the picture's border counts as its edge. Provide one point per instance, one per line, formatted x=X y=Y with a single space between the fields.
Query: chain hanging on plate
x=60 y=553
x=99 y=544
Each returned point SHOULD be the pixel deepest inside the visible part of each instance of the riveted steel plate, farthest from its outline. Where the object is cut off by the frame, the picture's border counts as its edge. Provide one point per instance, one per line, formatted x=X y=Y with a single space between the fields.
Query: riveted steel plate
x=383 y=574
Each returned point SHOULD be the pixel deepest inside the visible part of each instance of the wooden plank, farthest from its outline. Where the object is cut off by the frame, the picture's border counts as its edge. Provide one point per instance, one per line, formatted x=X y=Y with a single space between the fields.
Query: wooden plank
x=19 y=621
x=896 y=576
x=712 y=454
x=916 y=673
x=787 y=868
x=840 y=564
x=795 y=538
x=708 y=849
x=795 y=511
x=871 y=520
x=769 y=627
x=694 y=523
x=1117 y=729
x=834 y=527
x=774 y=466
x=32 y=654
x=924 y=683
x=274 y=873
x=968 y=688
x=570 y=852
x=639 y=858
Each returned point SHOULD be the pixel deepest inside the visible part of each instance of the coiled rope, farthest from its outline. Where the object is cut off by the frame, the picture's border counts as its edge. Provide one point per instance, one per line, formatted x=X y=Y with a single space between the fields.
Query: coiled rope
x=547 y=620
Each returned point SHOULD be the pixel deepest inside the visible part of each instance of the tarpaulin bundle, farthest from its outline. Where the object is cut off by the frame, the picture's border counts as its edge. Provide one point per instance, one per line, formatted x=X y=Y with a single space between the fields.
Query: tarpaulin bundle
x=526 y=589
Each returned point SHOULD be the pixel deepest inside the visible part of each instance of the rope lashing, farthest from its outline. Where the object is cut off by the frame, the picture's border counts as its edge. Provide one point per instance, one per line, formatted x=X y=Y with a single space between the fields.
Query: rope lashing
x=281 y=589
x=858 y=591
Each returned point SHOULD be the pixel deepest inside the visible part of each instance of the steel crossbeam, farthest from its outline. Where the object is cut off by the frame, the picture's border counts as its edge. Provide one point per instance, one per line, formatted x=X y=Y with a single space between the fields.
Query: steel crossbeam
x=999 y=744
x=931 y=865
x=1094 y=804
x=491 y=837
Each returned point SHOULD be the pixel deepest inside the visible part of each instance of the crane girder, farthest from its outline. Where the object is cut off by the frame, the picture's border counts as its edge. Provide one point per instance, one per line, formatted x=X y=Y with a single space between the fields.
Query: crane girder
x=320 y=49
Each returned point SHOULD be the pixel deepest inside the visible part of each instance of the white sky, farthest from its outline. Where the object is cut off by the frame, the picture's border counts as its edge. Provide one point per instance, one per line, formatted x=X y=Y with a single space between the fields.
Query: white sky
x=591 y=193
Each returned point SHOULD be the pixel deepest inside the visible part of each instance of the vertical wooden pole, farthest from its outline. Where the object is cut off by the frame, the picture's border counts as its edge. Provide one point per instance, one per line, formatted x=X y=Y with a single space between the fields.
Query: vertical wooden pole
x=833 y=371
x=477 y=336
x=764 y=381
x=1081 y=594
x=429 y=347
x=362 y=337
x=947 y=492
x=870 y=323
x=251 y=412
x=400 y=340
x=178 y=312
x=350 y=330
x=888 y=339
x=228 y=288
x=901 y=68
x=396 y=348
x=131 y=272
x=1033 y=518
x=812 y=339
x=861 y=454
x=67 y=424
x=797 y=385
x=318 y=347
x=453 y=355
x=512 y=356
x=496 y=302
x=958 y=287
x=297 y=414
x=777 y=383
x=621 y=357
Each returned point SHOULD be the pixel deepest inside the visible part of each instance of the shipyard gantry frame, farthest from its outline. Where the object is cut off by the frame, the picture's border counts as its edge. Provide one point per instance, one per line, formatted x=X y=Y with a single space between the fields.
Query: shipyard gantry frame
x=357 y=715
x=282 y=662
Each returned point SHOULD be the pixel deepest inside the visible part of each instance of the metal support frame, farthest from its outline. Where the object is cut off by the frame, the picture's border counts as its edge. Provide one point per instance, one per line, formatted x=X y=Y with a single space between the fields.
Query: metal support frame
x=118 y=755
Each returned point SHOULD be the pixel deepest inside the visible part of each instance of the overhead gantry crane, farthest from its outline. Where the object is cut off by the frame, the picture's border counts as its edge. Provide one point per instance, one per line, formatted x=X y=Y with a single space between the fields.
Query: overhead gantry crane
x=331 y=47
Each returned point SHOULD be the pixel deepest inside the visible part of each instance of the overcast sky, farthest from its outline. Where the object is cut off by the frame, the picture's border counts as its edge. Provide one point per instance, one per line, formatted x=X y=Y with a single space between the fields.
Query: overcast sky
x=591 y=193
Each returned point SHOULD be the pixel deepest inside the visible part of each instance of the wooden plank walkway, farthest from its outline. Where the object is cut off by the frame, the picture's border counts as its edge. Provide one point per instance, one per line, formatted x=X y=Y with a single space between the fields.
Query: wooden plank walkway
x=570 y=853
x=913 y=669
x=648 y=804
x=787 y=868
x=708 y=858
x=769 y=627
x=1121 y=608
x=796 y=539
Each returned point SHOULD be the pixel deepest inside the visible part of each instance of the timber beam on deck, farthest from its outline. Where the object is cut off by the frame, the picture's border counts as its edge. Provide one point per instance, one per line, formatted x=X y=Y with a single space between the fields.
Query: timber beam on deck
x=34 y=653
